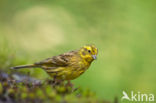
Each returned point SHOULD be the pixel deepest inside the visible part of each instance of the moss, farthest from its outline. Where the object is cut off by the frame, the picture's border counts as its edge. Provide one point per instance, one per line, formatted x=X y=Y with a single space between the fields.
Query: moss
x=28 y=90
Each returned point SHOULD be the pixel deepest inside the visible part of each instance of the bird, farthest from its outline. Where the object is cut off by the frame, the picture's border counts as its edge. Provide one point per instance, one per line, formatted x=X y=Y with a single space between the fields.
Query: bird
x=66 y=66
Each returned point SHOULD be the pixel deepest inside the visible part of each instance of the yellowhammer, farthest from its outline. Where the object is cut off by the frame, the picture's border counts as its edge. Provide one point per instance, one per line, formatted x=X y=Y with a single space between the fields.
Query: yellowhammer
x=67 y=66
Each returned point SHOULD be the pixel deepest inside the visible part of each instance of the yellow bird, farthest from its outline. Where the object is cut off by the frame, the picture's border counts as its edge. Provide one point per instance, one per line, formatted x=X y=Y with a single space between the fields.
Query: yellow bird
x=67 y=66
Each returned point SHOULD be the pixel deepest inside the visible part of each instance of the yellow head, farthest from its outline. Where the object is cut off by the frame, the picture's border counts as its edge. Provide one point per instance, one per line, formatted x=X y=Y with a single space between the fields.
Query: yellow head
x=89 y=52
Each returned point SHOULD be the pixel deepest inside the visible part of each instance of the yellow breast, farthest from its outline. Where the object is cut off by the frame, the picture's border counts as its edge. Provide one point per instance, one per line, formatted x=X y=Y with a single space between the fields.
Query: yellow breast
x=70 y=72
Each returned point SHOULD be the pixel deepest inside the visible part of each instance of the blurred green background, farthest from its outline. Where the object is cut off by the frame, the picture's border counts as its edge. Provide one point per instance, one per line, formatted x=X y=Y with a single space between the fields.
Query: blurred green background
x=124 y=32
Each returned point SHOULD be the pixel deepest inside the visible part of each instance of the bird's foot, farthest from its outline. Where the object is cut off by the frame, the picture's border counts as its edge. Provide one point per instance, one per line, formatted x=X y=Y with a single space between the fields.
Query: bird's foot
x=69 y=84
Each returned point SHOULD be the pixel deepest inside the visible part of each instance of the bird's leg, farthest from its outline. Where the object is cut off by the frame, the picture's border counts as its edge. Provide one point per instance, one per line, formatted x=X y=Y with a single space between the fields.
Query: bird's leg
x=69 y=84
x=56 y=81
x=72 y=86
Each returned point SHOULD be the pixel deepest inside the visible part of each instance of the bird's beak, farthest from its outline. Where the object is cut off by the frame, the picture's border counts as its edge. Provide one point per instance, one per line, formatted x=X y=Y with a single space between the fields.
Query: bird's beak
x=94 y=56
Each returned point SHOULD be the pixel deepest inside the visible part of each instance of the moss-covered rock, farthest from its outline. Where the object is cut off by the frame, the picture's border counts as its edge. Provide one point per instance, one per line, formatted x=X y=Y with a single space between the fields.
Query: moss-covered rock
x=24 y=89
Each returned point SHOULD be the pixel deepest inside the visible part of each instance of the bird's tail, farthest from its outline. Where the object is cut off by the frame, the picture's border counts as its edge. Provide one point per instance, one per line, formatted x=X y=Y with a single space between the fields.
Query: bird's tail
x=25 y=66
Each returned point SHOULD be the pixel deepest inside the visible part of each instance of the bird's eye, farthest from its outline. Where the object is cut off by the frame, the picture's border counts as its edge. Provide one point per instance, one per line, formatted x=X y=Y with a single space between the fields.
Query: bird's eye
x=89 y=51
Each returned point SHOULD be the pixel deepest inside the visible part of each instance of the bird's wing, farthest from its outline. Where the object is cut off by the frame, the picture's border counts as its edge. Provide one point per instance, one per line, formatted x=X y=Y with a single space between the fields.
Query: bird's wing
x=57 y=61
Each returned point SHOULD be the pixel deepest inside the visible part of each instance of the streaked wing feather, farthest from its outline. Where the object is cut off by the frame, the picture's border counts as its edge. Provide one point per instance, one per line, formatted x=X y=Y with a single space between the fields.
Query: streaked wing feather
x=57 y=61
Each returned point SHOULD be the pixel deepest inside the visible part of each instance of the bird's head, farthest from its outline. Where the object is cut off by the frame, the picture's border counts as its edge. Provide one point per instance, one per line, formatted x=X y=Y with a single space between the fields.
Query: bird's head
x=89 y=52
